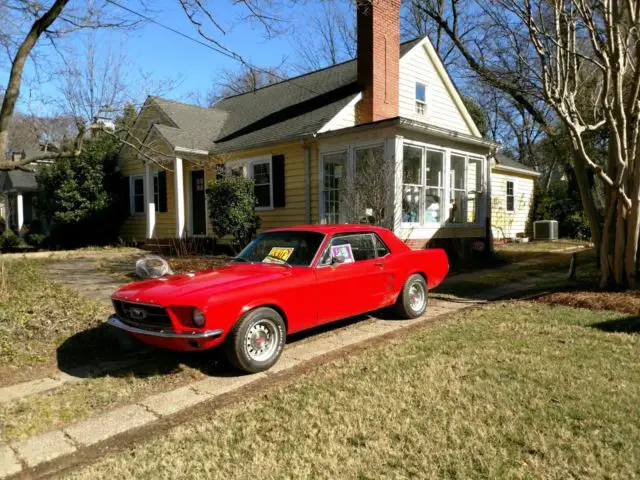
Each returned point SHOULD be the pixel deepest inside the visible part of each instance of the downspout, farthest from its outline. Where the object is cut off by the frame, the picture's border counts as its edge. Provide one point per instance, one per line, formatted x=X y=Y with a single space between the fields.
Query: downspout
x=307 y=182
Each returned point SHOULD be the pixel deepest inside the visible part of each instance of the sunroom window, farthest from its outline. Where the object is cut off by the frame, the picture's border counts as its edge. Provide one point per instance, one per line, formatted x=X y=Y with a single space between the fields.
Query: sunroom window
x=423 y=186
x=465 y=189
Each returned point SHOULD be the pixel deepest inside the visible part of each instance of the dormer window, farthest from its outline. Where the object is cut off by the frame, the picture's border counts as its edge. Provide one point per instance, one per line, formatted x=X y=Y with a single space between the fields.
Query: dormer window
x=421 y=98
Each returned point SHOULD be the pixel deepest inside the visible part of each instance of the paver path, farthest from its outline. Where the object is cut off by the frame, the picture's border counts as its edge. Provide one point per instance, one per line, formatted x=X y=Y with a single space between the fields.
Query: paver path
x=84 y=275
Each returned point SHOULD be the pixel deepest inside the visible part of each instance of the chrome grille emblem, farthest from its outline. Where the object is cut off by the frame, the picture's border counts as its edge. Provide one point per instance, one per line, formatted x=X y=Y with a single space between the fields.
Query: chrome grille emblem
x=137 y=314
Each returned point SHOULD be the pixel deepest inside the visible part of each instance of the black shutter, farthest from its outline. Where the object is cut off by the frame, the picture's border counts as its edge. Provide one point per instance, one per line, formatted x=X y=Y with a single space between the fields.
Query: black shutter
x=277 y=168
x=162 y=190
x=125 y=197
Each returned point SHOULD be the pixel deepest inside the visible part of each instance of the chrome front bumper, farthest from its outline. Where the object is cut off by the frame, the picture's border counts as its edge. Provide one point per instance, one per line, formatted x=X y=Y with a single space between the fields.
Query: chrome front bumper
x=114 y=321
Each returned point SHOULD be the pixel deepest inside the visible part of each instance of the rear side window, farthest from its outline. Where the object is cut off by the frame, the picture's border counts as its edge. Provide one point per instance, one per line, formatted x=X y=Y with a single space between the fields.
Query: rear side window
x=355 y=247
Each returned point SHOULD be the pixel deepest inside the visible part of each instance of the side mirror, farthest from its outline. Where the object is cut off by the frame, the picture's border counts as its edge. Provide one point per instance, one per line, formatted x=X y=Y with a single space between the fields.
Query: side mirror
x=337 y=260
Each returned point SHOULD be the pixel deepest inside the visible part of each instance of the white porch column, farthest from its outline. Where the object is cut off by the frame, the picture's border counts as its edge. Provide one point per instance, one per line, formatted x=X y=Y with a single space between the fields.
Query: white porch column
x=150 y=209
x=178 y=183
x=396 y=144
x=20 y=207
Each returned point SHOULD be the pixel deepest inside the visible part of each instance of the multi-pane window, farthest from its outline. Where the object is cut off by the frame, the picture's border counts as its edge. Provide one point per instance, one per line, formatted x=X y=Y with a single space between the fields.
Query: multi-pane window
x=424 y=198
x=368 y=186
x=136 y=192
x=421 y=98
x=423 y=185
x=510 y=197
x=333 y=176
x=412 y=184
x=262 y=183
x=260 y=172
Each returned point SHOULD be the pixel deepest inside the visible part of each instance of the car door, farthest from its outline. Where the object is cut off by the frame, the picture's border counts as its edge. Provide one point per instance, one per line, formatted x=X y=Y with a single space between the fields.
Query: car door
x=350 y=277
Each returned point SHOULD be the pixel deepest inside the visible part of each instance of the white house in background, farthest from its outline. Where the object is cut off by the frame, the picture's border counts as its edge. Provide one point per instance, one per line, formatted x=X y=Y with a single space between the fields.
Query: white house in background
x=512 y=190
x=303 y=138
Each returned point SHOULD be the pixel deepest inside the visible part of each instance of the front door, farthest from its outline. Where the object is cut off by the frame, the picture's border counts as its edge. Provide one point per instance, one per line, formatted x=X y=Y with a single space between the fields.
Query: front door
x=198 y=207
x=354 y=285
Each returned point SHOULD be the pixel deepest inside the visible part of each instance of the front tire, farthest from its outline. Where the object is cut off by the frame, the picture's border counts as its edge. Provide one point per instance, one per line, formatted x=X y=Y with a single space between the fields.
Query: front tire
x=256 y=341
x=412 y=301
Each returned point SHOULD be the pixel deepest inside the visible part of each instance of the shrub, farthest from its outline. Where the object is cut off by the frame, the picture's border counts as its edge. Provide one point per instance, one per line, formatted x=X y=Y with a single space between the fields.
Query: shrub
x=232 y=208
x=80 y=198
x=9 y=240
x=560 y=203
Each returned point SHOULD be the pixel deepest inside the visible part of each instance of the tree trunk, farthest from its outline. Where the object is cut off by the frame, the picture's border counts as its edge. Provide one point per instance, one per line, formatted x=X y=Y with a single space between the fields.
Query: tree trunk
x=588 y=202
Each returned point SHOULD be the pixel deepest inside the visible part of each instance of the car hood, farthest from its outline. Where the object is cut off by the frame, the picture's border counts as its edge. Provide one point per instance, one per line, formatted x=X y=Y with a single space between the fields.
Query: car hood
x=167 y=290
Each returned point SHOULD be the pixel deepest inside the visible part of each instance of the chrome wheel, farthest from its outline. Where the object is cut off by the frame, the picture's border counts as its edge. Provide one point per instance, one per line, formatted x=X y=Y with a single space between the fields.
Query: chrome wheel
x=262 y=340
x=417 y=296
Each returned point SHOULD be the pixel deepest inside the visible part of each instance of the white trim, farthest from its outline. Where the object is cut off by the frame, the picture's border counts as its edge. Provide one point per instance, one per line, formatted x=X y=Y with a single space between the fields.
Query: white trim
x=178 y=187
x=20 y=208
x=349 y=106
x=248 y=164
x=497 y=166
x=150 y=204
x=506 y=195
x=195 y=151
x=446 y=187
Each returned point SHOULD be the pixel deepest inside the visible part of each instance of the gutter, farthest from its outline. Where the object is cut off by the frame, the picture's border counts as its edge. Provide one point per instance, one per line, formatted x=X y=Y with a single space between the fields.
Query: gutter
x=532 y=173
x=190 y=150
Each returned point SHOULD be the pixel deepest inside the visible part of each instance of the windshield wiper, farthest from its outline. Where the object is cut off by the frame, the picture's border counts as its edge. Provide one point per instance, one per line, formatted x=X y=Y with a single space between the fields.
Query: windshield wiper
x=240 y=258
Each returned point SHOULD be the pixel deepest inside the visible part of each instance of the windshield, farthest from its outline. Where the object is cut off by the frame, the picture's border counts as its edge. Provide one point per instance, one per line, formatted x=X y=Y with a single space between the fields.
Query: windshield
x=295 y=248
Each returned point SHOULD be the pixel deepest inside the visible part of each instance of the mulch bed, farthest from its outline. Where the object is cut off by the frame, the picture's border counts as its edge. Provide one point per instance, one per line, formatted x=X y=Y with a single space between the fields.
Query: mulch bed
x=624 y=302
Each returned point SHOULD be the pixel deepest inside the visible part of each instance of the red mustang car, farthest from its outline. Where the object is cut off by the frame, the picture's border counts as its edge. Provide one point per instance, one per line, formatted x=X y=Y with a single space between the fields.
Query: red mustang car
x=285 y=281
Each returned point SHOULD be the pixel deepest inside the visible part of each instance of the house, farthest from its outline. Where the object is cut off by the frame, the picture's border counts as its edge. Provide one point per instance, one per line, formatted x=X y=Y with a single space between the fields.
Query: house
x=19 y=187
x=512 y=189
x=303 y=139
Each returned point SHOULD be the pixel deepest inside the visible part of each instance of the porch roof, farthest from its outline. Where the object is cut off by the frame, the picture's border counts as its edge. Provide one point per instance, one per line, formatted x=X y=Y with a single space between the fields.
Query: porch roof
x=18 y=180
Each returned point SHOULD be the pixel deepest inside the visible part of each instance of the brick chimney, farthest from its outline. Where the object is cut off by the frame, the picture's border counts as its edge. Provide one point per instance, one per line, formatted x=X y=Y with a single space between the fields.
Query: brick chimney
x=378 y=59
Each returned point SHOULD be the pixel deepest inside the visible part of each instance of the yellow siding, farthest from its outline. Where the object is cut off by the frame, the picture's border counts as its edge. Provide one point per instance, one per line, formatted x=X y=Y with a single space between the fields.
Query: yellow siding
x=131 y=163
x=507 y=224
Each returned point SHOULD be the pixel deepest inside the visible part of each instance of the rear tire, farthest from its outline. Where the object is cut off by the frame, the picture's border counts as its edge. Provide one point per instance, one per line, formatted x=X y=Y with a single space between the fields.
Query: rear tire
x=256 y=341
x=413 y=298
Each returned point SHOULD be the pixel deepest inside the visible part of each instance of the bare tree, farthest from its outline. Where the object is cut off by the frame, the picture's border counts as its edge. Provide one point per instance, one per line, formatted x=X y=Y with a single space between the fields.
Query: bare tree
x=330 y=36
x=580 y=59
x=245 y=80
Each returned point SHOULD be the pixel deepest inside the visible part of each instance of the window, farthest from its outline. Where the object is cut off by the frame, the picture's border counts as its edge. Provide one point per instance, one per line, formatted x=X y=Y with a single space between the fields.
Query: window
x=261 y=173
x=350 y=249
x=367 y=201
x=295 y=248
x=510 y=197
x=333 y=175
x=423 y=186
x=136 y=194
x=381 y=247
x=421 y=98
x=466 y=189
x=458 y=188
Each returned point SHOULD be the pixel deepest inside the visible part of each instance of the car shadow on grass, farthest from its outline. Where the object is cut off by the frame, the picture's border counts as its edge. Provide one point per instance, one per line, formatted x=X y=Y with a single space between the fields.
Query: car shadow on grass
x=629 y=325
x=106 y=351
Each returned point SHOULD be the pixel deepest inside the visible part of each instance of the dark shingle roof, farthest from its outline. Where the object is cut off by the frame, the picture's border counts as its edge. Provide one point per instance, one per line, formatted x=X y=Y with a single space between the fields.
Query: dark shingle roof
x=511 y=163
x=18 y=180
x=284 y=110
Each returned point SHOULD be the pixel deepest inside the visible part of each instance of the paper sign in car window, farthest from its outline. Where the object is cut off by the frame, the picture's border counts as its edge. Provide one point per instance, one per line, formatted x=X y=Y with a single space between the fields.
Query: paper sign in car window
x=343 y=251
x=279 y=255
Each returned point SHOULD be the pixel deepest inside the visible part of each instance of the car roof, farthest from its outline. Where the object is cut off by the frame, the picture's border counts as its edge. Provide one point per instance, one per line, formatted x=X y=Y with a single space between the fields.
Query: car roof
x=330 y=229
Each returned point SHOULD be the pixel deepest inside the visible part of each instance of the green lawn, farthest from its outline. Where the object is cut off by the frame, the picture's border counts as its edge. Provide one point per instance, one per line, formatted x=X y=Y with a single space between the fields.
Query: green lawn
x=517 y=390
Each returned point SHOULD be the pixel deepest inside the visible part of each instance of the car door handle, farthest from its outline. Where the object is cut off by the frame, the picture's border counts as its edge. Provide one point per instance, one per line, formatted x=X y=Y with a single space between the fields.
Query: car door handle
x=379 y=264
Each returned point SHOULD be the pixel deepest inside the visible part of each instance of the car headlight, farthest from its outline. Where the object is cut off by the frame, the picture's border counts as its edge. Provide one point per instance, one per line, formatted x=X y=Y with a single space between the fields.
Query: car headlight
x=197 y=317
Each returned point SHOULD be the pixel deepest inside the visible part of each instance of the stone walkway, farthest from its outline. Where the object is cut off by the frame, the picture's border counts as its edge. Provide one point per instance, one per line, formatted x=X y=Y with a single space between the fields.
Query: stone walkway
x=85 y=276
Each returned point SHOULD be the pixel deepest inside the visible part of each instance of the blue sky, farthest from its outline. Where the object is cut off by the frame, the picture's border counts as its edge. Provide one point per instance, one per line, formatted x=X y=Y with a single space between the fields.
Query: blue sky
x=165 y=55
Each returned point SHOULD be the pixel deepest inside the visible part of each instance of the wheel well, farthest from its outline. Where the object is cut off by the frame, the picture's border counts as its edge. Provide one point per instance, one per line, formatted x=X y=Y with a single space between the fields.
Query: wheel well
x=277 y=309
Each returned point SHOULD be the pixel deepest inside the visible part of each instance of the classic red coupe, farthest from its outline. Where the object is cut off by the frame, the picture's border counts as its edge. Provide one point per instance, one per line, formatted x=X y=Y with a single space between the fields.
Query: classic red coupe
x=285 y=281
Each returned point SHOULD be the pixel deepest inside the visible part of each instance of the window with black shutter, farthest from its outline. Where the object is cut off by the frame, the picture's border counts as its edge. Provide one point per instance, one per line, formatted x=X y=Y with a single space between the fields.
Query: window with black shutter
x=510 y=197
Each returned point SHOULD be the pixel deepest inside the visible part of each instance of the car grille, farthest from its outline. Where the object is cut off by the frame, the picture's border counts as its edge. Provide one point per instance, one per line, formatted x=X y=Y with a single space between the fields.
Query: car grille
x=146 y=317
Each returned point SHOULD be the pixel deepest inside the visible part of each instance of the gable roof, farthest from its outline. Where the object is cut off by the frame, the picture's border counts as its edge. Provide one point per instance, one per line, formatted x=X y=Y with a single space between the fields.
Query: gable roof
x=18 y=180
x=280 y=111
x=511 y=164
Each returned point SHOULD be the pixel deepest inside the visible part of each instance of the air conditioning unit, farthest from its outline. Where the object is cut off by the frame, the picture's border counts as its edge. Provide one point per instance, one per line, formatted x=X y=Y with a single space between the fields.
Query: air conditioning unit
x=545 y=230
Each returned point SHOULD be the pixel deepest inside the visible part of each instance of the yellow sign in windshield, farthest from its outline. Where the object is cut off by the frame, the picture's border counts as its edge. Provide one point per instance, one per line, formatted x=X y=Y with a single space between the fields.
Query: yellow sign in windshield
x=279 y=254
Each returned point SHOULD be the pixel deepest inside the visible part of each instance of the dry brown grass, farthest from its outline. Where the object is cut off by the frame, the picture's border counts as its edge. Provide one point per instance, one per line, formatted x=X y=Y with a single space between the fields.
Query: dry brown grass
x=509 y=391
